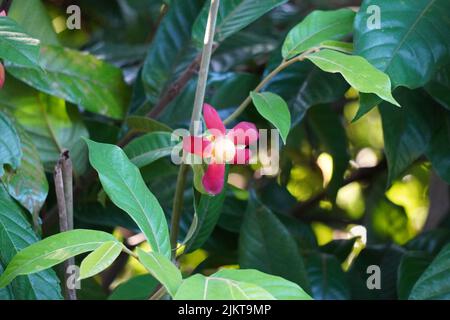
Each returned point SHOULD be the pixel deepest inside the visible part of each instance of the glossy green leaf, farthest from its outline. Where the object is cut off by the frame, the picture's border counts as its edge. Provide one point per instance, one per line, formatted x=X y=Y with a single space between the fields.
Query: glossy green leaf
x=328 y=281
x=434 y=283
x=327 y=127
x=439 y=87
x=150 y=147
x=273 y=108
x=265 y=244
x=208 y=212
x=28 y=184
x=317 y=27
x=77 y=77
x=411 y=267
x=125 y=187
x=10 y=146
x=407 y=131
x=358 y=72
x=344 y=47
x=278 y=287
x=417 y=46
x=100 y=259
x=233 y=16
x=199 y=287
x=17 y=46
x=162 y=269
x=145 y=124
x=171 y=51
x=137 y=288
x=52 y=251
x=34 y=18
x=412 y=42
x=51 y=125
x=438 y=151
x=16 y=234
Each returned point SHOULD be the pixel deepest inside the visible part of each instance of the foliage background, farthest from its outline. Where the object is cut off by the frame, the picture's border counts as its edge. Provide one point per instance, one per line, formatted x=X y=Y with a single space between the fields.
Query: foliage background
x=349 y=194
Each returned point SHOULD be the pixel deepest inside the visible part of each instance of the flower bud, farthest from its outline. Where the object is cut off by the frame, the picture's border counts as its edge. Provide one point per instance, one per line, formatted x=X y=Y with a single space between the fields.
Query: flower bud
x=3 y=13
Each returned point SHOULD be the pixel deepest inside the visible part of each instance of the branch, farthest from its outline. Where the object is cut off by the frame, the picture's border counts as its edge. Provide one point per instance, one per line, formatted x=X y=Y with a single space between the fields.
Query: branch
x=196 y=115
x=64 y=196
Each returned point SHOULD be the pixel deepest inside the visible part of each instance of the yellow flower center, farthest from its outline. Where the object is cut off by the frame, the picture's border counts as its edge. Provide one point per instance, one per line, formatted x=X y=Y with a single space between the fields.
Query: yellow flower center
x=223 y=150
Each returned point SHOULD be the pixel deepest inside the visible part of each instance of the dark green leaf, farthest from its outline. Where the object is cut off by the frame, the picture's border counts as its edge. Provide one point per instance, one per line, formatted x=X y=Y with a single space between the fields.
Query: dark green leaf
x=137 y=288
x=431 y=242
x=434 y=283
x=339 y=248
x=233 y=16
x=10 y=146
x=439 y=87
x=15 y=235
x=145 y=124
x=411 y=267
x=266 y=244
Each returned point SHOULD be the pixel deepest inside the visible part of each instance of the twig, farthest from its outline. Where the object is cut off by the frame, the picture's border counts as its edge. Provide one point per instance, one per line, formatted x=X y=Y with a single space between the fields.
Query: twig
x=196 y=115
x=283 y=65
x=64 y=198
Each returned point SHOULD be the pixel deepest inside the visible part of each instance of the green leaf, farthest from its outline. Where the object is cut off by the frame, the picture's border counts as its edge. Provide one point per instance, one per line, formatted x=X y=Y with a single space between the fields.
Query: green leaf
x=438 y=151
x=233 y=16
x=431 y=241
x=17 y=46
x=208 y=212
x=125 y=187
x=52 y=251
x=51 y=125
x=279 y=288
x=10 y=146
x=34 y=18
x=162 y=269
x=412 y=42
x=303 y=86
x=145 y=124
x=100 y=259
x=316 y=28
x=328 y=281
x=439 y=87
x=412 y=265
x=407 y=131
x=199 y=287
x=266 y=244
x=137 y=288
x=150 y=147
x=77 y=77
x=28 y=184
x=170 y=52
x=16 y=234
x=344 y=47
x=434 y=283
x=273 y=108
x=327 y=126
x=417 y=46
x=358 y=72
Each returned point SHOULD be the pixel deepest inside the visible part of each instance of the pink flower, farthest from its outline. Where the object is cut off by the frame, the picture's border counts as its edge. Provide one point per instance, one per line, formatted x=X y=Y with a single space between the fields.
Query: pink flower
x=3 y=13
x=2 y=75
x=219 y=147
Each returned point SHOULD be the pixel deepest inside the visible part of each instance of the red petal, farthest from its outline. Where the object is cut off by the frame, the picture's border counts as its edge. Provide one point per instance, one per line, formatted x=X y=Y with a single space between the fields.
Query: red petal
x=244 y=133
x=214 y=178
x=212 y=119
x=242 y=156
x=2 y=76
x=195 y=145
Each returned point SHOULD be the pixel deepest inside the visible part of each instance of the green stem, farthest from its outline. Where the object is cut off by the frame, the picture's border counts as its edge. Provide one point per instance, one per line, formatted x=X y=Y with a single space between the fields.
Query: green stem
x=196 y=116
x=283 y=65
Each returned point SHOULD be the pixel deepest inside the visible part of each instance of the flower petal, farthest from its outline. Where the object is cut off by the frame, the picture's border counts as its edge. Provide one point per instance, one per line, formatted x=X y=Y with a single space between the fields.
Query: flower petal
x=212 y=119
x=242 y=156
x=244 y=133
x=2 y=75
x=214 y=178
x=195 y=145
x=3 y=13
